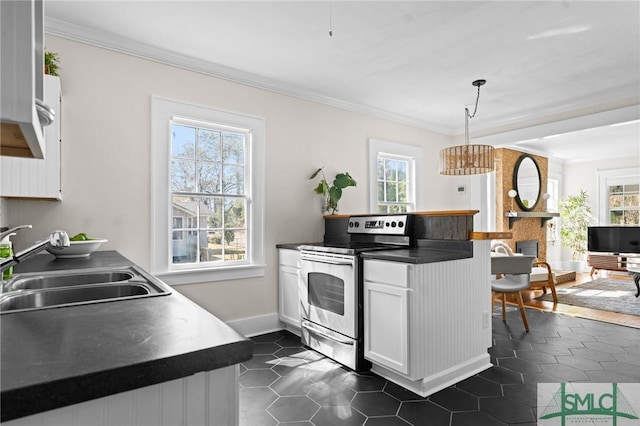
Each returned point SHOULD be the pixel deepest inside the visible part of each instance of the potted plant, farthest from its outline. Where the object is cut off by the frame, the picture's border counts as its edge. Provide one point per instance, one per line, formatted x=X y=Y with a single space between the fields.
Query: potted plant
x=333 y=193
x=51 y=63
x=575 y=215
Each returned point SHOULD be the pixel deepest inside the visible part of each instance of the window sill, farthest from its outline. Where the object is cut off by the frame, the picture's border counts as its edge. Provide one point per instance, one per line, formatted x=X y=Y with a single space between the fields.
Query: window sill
x=195 y=276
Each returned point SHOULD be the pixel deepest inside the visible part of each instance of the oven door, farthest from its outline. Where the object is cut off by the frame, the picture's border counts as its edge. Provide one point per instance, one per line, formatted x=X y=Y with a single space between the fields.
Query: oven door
x=328 y=292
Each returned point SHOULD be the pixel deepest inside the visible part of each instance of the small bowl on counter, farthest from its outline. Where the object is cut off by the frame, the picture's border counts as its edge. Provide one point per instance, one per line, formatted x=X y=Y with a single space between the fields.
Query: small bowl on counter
x=76 y=249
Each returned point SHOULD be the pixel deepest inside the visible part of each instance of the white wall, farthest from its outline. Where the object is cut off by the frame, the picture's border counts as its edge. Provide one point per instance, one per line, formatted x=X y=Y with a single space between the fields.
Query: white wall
x=584 y=175
x=554 y=248
x=106 y=163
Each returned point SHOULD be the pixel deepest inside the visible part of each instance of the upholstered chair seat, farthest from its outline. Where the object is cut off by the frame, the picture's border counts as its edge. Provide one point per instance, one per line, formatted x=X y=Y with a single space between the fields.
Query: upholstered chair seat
x=542 y=275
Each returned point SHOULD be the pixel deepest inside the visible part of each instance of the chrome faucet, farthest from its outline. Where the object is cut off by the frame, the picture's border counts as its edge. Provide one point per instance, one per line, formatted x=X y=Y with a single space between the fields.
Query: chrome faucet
x=56 y=239
x=12 y=230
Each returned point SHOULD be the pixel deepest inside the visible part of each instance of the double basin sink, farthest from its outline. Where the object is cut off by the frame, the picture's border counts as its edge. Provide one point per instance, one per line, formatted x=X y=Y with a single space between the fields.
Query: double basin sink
x=34 y=291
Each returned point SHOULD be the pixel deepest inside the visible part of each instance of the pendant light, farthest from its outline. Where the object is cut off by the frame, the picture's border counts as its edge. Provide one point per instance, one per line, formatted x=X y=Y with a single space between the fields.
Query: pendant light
x=467 y=159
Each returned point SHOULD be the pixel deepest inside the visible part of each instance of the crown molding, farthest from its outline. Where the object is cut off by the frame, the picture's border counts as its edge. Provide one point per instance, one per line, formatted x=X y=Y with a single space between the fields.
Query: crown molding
x=504 y=125
x=78 y=33
x=589 y=121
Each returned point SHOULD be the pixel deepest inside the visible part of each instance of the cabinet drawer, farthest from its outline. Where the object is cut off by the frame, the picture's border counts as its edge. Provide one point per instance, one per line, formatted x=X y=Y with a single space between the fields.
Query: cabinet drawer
x=392 y=273
x=289 y=257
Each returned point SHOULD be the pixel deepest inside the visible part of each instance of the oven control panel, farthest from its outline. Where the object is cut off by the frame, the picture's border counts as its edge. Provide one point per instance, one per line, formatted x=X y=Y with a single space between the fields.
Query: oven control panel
x=393 y=224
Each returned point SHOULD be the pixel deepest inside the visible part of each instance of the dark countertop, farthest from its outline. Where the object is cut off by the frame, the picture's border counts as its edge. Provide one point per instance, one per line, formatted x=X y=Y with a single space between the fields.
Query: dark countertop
x=289 y=246
x=427 y=251
x=293 y=246
x=48 y=262
x=57 y=357
x=415 y=255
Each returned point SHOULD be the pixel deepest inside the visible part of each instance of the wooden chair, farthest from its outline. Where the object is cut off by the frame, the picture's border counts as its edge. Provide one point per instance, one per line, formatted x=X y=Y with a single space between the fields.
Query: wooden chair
x=516 y=273
x=542 y=277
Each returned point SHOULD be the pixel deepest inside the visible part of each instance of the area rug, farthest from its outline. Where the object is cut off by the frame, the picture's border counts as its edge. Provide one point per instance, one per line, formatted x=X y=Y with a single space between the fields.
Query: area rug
x=605 y=294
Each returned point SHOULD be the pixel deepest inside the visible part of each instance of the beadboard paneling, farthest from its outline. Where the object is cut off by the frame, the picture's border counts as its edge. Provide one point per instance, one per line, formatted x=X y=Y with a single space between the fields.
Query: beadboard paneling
x=208 y=399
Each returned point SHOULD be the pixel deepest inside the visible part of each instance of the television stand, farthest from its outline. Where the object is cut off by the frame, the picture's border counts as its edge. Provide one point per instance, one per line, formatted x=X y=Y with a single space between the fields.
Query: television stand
x=616 y=262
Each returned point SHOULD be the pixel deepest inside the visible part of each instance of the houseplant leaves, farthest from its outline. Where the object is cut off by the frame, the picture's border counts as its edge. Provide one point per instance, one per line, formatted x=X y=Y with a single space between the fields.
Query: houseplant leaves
x=333 y=193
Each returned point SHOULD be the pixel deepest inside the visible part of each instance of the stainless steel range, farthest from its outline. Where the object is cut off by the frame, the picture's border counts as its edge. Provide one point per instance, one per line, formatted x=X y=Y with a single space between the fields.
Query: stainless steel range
x=331 y=292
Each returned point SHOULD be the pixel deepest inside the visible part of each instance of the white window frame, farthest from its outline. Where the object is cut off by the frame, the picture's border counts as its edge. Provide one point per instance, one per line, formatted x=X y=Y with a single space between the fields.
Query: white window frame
x=482 y=193
x=553 y=189
x=162 y=112
x=607 y=178
x=412 y=154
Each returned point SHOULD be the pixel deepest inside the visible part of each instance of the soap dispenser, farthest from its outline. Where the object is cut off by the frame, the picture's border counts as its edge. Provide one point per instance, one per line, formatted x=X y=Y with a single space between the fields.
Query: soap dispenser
x=6 y=250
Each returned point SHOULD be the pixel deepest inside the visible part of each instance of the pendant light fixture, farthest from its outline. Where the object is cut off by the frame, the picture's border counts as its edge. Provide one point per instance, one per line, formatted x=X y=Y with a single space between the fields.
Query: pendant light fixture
x=467 y=159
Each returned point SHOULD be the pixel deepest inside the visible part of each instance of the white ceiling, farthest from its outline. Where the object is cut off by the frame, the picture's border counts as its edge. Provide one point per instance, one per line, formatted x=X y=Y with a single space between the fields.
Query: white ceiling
x=412 y=62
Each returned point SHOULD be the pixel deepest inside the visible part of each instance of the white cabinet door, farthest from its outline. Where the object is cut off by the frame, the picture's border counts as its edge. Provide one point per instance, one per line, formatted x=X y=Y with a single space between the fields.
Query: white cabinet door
x=289 y=276
x=35 y=178
x=22 y=63
x=386 y=315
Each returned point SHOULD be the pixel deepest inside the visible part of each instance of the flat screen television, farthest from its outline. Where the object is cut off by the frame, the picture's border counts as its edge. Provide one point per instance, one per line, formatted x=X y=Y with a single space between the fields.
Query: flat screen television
x=614 y=239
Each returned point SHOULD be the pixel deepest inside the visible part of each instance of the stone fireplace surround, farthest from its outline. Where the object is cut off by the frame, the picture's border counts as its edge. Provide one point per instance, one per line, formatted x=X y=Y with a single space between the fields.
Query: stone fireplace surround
x=525 y=229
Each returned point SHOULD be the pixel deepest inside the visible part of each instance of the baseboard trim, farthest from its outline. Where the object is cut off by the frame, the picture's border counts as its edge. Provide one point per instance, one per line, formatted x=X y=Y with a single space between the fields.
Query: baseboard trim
x=441 y=380
x=257 y=325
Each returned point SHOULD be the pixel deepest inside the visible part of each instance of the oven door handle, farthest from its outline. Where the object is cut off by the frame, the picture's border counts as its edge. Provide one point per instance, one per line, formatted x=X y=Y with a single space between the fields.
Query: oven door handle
x=327 y=261
x=308 y=326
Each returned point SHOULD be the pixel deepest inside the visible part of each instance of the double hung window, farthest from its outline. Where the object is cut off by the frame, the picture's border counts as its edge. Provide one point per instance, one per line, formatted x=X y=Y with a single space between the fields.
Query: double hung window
x=208 y=192
x=624 y=204
x=395 y=170
x=619 y=196
x=394 y=184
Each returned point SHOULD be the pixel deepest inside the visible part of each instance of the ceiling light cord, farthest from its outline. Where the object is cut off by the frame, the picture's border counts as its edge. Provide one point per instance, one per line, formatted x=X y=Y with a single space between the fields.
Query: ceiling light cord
x=467 y=116
x=476 y=83
x=466 y=125
x=467 y=159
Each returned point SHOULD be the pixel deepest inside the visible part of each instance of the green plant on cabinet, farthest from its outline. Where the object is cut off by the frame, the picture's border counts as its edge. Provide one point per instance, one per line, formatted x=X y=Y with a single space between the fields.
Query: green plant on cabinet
x=333 y=193
x=52 y=63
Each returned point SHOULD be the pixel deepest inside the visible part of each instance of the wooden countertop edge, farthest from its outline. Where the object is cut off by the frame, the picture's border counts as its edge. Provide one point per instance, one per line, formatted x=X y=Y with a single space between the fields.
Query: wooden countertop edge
x=490 y=235
x=426 y=213
x=447 y=213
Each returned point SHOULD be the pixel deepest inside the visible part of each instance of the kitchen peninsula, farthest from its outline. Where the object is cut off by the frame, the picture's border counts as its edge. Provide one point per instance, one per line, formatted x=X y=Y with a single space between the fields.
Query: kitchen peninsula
x=427 y=321
x=427 y=309
x=156 y=360
x=421 y=284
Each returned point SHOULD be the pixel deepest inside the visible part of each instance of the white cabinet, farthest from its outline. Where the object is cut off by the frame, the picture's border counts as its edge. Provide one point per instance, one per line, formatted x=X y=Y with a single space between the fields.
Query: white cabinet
x=288 y=282
x=35 y=178
x=22 y=62
x=386 y=314
x=428 y=325
x=206 y=398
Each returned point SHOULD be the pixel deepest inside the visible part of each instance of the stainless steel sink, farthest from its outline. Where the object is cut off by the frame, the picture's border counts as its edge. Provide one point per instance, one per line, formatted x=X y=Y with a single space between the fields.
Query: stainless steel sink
x=25 y=292
x=69 y=295
x=52 y=280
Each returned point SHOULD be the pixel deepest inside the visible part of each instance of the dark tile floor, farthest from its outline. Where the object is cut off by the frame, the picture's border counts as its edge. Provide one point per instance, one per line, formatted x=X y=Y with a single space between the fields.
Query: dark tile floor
x=287 y=384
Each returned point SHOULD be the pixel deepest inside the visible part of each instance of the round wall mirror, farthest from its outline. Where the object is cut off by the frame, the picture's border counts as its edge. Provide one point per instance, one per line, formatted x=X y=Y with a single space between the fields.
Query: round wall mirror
x=526 y=181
